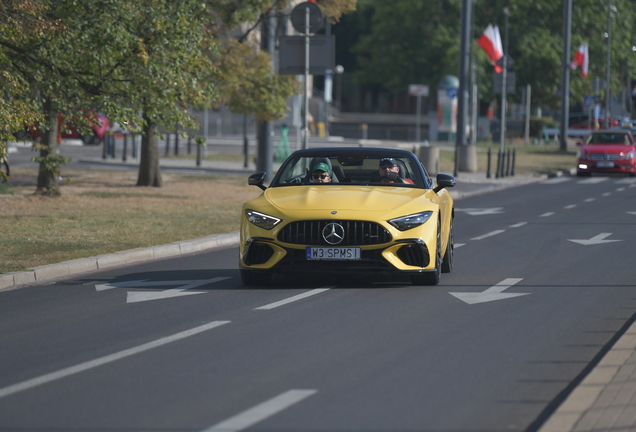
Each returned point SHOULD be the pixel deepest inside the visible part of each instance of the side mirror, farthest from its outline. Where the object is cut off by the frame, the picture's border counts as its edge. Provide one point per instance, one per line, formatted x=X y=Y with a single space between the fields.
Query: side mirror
x=444 y=181
x=257 y=179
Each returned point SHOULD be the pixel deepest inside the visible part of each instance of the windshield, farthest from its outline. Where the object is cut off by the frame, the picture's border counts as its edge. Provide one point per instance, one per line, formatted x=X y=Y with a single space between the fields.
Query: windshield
x=351 y=169
x=609 y=138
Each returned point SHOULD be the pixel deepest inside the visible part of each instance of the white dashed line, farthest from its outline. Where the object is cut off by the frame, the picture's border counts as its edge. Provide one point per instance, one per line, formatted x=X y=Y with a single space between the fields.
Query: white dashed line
x=261 y=411
x=293 y=299
x=456 y=245
x=606 y=194
x=490 y=234
x=568 y=207
x=589 y=200
x=43 y=379
x=517 y=225
x=620 y=189
x=547 y=214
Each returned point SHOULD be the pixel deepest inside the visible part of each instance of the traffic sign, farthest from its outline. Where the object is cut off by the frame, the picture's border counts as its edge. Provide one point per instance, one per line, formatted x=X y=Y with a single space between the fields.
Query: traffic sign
x=298 y=17
x=451 y=92
x=589 y=101
x=418 y=90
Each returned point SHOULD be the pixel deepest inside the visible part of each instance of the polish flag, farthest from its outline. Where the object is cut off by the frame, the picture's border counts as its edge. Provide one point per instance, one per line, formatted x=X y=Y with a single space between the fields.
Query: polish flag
x=581 y=58
x=490 y=41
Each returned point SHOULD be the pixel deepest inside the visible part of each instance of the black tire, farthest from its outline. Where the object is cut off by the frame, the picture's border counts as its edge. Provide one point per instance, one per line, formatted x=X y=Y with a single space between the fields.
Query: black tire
x=449 y=256
x=431 y=277
x=256 y=277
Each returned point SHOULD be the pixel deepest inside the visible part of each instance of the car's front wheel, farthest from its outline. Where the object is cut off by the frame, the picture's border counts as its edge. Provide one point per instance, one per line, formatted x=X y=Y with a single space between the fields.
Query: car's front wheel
x=449 y=256
x=256 y=277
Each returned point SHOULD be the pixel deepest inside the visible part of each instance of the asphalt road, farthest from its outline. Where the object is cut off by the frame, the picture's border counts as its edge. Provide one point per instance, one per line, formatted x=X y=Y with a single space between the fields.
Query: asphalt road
x=187 y=348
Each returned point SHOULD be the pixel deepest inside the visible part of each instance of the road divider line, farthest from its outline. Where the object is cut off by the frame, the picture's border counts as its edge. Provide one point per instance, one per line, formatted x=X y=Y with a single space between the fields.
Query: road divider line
x=568 y=207
x=548 y=214
x=43 y=379
x=261 y=411
x=490 y=234
x=589 y=200
x=517 y=225
x=293 y=299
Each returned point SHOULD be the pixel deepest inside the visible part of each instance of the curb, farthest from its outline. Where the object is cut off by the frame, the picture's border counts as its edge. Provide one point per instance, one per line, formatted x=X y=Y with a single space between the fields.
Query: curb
x=100 y=262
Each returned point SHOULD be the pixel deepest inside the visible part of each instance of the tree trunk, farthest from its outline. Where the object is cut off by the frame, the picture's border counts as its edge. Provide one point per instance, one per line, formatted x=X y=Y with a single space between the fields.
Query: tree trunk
x=149 y=172
x=48 y=173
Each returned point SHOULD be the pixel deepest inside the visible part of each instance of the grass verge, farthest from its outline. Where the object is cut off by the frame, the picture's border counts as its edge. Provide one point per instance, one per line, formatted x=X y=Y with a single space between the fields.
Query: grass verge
x=103 y=211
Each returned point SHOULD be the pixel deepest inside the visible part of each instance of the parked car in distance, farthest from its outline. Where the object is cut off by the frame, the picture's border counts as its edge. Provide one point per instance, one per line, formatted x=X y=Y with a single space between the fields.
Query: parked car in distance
x=607 y=151
x=348 y=210
x=69 y=130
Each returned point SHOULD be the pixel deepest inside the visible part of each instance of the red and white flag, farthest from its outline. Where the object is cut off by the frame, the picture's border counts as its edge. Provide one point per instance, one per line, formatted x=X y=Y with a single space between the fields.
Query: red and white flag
x=490 y=41
x=581 y=58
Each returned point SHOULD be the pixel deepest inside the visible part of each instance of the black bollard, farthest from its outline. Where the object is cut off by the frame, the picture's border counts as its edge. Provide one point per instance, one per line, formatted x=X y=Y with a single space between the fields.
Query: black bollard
x=123 y=156
x=189 y=144
x=111 y=135
x=514 y=161
x=508 y=163
x=176 y=142
x=488 y=175
x=198 y=155
x=105 y=146
x=498 y=171
x=167 y=143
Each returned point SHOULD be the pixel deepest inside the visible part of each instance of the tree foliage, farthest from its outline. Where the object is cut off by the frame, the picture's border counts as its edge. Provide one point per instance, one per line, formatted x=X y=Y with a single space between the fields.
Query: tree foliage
x=402 y=42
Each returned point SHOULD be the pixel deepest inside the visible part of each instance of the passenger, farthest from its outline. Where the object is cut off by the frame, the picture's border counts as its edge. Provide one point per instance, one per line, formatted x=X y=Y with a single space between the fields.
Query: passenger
x=389 y=171
x=320 y=173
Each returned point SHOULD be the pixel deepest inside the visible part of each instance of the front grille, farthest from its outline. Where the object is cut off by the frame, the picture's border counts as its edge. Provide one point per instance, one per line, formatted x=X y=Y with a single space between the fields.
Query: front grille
x=604 y=157
x=356 y=233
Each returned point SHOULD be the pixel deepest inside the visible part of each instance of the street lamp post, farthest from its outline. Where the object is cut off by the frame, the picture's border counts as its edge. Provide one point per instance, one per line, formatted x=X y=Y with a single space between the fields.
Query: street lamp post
x=504 y=75
x=607 y=69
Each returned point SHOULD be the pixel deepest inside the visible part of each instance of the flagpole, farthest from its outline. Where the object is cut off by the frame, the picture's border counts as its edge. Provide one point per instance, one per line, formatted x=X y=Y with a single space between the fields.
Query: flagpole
x=565 y=84
x=504 y=75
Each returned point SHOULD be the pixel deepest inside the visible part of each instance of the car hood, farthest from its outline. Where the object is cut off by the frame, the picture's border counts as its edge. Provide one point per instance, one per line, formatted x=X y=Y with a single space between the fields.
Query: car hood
x=341 y=198
x=607 y=148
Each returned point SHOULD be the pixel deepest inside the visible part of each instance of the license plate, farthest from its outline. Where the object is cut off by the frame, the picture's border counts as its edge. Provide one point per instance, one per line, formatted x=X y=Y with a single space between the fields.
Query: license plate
x=605 y=164
x=333 y=253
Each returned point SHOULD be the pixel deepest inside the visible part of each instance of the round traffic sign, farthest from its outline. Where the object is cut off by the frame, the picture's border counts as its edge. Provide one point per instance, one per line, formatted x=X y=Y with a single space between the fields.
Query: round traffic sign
x=298 y=17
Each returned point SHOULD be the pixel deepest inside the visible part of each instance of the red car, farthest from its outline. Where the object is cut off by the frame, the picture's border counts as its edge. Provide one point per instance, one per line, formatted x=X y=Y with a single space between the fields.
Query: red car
x=607 y=151
x=69 y=130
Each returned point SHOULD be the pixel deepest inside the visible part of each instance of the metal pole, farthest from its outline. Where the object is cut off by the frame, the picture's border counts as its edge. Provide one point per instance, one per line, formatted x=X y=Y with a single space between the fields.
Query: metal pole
x=565 y=82
x=464 y=62
x=526 y=137
x=305 y=119
x=504 y=75
x=418 y=117
x=607 y=72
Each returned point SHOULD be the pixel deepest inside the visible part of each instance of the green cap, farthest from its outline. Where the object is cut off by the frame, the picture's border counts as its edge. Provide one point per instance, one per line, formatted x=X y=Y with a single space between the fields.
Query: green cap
x=321 y=167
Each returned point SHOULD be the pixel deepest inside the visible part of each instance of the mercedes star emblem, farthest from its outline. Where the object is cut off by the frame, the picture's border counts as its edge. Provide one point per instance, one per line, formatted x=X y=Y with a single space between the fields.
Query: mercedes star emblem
x=333 y=233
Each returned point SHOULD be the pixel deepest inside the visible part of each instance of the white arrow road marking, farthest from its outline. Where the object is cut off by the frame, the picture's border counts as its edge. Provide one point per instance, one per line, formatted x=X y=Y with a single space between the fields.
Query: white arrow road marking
x=43 y=379
x=481 y=211
x=490 y=234
x=555 y=180
x=493 y=293
x=144 y=283
x=139 y=296
x=293 y=299
x=592 y=180
x=597 y=239
x=261 y=411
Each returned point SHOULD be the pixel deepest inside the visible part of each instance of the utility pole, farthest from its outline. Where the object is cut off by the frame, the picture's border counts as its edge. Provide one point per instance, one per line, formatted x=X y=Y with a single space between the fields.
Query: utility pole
x=266 y=128
x=504 y=84
x=608 y=35
x=565 y=87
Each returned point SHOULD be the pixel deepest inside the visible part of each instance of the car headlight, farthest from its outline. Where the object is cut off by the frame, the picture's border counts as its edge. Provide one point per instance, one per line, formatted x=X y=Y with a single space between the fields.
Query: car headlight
x=262 y=220
x=628 y=155
x=411 y=221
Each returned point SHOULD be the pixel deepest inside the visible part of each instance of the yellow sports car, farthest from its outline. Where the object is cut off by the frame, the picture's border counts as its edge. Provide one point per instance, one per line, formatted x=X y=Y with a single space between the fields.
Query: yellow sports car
x=348 y=210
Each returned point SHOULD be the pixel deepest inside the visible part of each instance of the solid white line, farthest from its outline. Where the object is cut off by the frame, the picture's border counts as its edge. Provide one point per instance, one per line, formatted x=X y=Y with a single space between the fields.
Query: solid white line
x=517 y=225
x=293 y=299
x=490 y=234
x=547 y=214
x=261 y=411
x=43 y=379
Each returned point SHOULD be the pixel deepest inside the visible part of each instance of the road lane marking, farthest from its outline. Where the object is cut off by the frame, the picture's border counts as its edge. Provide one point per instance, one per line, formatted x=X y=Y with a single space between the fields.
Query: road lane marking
x=589 y=200
x=547 y=214
x=568 y=207
x=480 y=211
x=495 y=292
x=490 y=234
x=261 y=411
x=43 y=379
x=606 y=194
x=456 y=245
x=620 y=189
x=555 y=180
x=293 y=299
x=592 y=180
x=517 y=225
